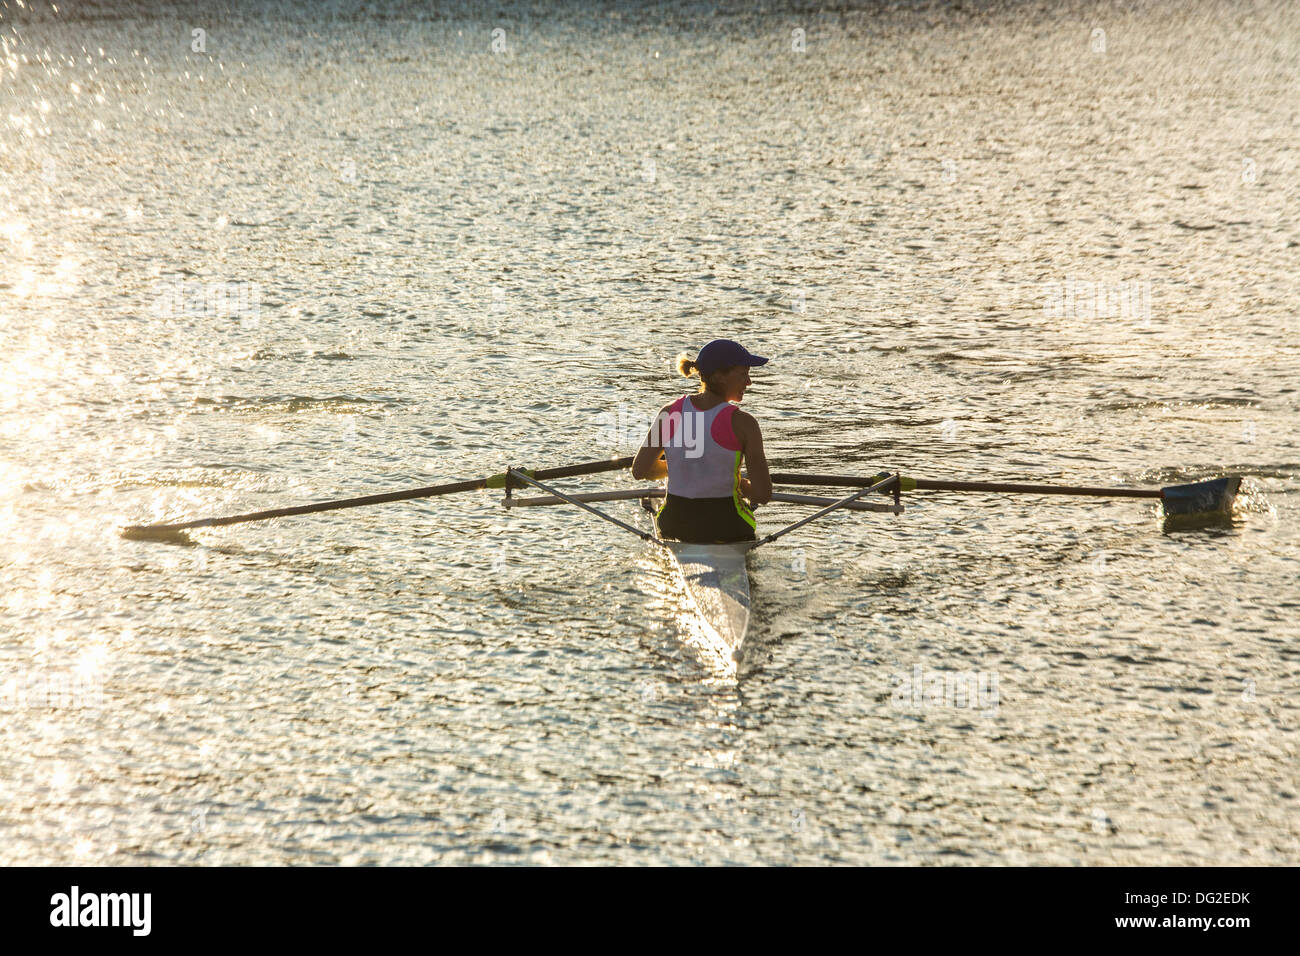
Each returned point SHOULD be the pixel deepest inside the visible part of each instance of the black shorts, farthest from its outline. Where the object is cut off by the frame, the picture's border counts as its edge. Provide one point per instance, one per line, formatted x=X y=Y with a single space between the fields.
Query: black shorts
x=704 y=520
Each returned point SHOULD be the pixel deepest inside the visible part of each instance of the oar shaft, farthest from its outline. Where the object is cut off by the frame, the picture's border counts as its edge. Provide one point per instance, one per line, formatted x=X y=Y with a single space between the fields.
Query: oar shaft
x=1019 y=489
x=926 y=484
x=429 y=491
x=321 y=506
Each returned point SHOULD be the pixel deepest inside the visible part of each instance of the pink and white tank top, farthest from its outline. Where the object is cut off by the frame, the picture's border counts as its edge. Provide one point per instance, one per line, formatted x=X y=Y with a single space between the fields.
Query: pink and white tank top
x=701 y=449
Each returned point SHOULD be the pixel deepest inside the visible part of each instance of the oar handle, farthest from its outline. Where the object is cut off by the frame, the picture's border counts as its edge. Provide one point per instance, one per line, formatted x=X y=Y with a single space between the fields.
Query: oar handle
x=586 y=468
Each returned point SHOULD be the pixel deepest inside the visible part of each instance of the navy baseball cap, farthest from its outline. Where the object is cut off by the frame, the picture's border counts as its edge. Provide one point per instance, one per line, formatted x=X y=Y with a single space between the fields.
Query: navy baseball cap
x=724 y=353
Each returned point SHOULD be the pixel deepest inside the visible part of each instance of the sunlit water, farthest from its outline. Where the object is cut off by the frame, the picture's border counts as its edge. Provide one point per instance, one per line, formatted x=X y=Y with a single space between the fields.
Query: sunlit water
x=330 y=254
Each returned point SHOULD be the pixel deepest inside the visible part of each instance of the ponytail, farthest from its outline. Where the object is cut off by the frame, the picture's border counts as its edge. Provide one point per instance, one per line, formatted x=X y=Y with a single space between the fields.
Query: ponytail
x=686 y=366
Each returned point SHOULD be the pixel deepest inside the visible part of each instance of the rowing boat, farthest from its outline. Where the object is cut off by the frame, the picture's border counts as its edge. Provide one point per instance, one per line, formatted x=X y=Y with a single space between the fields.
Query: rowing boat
x=714 y=575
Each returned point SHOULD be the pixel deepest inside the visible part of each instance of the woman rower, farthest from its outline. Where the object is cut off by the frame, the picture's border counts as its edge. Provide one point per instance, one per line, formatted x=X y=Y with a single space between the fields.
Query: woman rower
x=699 y=442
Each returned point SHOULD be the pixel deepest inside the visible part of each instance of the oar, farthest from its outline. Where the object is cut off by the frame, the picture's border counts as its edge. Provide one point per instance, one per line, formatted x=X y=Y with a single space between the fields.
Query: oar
x=1213 y=497
x=495 y=481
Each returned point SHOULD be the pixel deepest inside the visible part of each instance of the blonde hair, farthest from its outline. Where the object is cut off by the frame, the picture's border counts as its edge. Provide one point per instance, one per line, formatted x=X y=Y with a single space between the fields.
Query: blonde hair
x=687 y=367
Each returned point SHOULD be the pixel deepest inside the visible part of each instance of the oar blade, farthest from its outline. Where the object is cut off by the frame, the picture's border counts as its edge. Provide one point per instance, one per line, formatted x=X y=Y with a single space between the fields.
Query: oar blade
x=161 y=533
x=1200 y=501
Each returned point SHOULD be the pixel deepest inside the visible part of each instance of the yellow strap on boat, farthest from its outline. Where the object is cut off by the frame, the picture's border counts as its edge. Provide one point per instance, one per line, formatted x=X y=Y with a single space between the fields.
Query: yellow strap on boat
x=499 y=481
x=742 y=508
x=904 y=484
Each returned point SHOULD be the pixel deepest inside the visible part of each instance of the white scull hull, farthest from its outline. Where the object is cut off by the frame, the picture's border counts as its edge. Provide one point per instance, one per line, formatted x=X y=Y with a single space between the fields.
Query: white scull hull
x=717 y=581
x=714 y=575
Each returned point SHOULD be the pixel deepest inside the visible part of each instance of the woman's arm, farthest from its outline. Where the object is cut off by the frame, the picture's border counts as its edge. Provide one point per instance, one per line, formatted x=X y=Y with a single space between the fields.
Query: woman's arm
x=758 y=486
x=649 y=464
